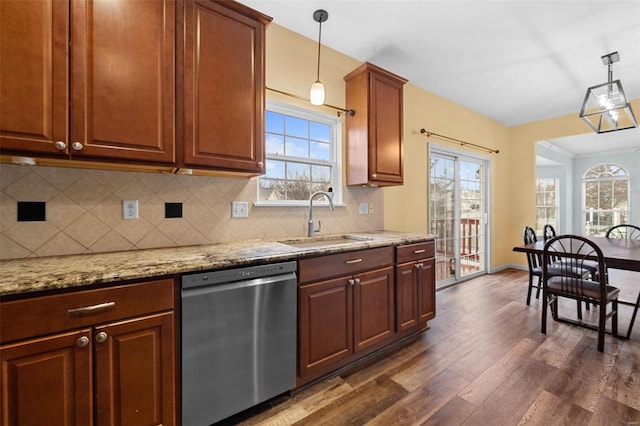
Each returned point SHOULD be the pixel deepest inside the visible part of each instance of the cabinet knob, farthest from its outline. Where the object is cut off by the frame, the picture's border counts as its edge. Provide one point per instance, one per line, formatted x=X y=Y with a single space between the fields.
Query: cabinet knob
x=419 y=265
x=77 y=146
x=357 y=281
x=60 y=145
x=82 y=342
x=374 y=175
x=260 y=165
x=352 y=281
x=101 y=337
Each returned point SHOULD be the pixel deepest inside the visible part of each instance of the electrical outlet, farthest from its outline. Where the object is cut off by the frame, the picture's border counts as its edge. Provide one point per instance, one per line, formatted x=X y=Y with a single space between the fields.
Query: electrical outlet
x=239 y=209
x=370 y=208
x=363 y=208
x=129 y=209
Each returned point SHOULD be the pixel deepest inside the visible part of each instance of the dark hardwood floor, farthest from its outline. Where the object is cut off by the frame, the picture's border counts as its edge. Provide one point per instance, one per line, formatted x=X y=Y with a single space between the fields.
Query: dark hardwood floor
x=482 y=362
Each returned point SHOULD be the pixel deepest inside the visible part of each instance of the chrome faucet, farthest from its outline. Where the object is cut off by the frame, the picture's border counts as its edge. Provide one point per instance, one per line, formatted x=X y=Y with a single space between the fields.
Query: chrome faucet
x=311 y=229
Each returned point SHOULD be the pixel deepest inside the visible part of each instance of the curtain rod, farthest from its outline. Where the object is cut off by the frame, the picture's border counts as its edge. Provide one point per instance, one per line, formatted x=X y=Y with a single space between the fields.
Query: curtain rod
x=350 y=112
x=462 y=143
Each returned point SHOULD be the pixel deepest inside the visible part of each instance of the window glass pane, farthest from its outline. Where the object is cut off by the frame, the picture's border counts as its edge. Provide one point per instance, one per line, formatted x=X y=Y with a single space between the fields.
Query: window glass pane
x=605 y=195
x=274 y=144
x=620 y=194
x=298 y=171
x=322 y=175
x=320 y=151
x=297 y=147
x=296 y=127
x=274 y=122
x=274 y=169
x=319 y=132
x=272 y=189
x=591 y=195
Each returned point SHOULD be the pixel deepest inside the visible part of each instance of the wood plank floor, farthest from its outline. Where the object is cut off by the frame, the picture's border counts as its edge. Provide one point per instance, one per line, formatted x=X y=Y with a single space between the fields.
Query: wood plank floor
x=482 y=362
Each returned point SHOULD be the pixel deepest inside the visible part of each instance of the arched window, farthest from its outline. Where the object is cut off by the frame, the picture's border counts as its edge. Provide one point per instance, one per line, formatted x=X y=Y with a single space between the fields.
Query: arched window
x=605 y=195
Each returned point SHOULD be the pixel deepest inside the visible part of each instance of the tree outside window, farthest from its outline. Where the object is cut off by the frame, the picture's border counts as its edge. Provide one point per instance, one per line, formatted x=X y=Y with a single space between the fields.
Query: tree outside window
x=606 y=198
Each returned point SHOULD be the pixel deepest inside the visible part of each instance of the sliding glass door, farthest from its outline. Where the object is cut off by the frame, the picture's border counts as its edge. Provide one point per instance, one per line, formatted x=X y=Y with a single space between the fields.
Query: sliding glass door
x=458 y=208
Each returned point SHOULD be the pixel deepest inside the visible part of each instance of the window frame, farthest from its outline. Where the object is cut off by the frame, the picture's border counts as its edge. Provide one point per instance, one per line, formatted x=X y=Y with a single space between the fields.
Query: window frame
x=556 y=183
x=335 y=154
x=626 y=178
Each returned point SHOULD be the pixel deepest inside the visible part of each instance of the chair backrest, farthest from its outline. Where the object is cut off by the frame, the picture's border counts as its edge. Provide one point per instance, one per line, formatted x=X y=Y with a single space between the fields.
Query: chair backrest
x=529 y=237
x=548 y=232
x=625 y=231
x=574 y=251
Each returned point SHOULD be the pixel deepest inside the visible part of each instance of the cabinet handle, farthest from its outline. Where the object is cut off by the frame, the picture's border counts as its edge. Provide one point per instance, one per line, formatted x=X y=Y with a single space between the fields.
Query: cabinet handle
x=374 y=175
x=352 y=281
x=358 y=281
x=82 y=342
x=419 y=265
x=419 y=251
x=77 y=146
x=91 y=309
x=60 y=145
x=101 y=337
x=352 y=261
x=260 y=165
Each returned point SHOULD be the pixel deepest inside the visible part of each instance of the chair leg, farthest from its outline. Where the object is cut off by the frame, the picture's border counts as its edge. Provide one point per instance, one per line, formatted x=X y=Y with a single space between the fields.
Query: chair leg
x=633 y=316
x=614 y=318
x=529 y=289
x=601 y=322
x=545 y=306
x=539 y=287
x=579 y=309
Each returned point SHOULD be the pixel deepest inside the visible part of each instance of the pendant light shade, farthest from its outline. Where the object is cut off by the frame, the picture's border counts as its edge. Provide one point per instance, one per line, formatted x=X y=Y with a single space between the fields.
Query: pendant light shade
x=316 y=93
x=605 y=107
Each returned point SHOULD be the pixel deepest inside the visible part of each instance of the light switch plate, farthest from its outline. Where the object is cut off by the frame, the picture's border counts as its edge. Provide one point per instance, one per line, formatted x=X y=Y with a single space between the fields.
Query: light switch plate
x=363 y=208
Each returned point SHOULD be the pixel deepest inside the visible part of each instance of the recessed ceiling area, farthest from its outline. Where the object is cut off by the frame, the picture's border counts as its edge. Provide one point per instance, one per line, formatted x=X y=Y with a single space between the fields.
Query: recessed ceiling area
x=513 y=61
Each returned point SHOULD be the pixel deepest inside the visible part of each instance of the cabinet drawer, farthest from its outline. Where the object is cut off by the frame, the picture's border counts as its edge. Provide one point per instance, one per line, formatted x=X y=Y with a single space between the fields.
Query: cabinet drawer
x=39 y=316
x=411 y=252
x=334 y=265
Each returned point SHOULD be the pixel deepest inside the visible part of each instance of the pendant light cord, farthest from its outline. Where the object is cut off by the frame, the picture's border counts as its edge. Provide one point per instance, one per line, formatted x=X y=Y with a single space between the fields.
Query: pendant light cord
x=319 y=38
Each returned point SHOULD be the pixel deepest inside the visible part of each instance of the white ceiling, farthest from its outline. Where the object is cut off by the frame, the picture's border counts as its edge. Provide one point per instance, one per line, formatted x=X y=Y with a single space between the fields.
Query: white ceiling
x=514 y=61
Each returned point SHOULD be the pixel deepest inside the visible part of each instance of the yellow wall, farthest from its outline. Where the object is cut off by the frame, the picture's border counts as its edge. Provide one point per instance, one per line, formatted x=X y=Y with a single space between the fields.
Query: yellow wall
x=291 y=67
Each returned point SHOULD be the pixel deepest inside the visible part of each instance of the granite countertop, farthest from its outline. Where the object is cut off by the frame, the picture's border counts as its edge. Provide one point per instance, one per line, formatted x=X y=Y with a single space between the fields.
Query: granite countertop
x=28 y=275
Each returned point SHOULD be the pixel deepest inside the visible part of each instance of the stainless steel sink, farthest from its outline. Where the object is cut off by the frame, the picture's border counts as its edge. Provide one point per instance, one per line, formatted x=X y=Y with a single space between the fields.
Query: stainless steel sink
x=326 y=241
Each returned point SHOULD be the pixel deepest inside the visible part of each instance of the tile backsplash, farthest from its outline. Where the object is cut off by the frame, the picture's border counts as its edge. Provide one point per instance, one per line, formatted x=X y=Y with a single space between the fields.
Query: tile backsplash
x=84 y=211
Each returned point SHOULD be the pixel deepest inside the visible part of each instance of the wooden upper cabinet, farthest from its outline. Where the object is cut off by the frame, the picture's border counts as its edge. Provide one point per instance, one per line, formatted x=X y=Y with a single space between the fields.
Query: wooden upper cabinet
x=120 y=102
x=123 y=79
x=224 y=85
x=34 y=37
x=374 y=133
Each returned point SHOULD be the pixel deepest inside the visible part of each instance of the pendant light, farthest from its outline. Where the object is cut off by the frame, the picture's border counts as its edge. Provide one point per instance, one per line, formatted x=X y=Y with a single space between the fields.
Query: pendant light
x=316 y=94
x=605 y=107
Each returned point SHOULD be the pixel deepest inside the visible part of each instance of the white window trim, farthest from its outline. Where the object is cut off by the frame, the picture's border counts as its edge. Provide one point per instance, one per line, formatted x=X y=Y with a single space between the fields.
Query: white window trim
x=556 y=182
x=335 y=154
x=585 y=180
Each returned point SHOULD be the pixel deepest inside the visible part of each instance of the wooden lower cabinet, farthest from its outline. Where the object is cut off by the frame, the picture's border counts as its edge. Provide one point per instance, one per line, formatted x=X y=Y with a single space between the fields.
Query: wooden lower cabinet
x=120 y=372
x=415 y=286
x=343 y=318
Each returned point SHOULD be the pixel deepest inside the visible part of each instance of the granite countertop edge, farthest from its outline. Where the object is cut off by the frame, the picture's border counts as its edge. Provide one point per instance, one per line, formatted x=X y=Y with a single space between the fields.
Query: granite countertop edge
x=35 y=275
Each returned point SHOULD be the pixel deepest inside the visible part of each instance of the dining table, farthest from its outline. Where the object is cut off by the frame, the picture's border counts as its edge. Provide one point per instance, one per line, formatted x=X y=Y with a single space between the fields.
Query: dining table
x=619 y=253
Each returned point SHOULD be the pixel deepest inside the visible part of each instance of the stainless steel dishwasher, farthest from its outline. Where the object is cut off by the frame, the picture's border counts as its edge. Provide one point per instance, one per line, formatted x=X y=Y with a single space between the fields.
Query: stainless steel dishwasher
x=238 y=339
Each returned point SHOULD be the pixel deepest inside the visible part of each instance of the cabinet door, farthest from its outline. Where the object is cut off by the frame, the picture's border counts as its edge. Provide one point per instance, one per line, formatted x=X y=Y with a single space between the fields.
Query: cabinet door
x=427 y=290
x=386 y=150
x=406 y=296
x=373 y=308
x=135 y=370
x=224 y=87
x=34 y=36
x=325 y=325
x=48 y=381
x=123 y=80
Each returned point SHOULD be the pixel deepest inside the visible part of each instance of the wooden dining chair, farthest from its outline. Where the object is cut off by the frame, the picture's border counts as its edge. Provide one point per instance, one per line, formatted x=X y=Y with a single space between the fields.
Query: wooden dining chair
x=549 y=232
x=534 y=261
x=625 y=231
x=563 y=282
